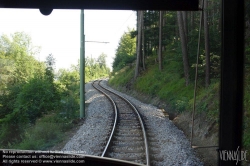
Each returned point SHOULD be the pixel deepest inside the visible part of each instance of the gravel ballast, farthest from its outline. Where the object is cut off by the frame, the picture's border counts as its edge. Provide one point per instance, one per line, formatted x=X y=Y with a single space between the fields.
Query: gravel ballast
x=168 y=144
x=93 y=134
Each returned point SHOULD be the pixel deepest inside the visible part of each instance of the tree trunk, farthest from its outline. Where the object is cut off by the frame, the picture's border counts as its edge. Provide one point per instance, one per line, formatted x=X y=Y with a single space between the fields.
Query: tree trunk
x=176 y=28
x=207 y=46
x=137 y=21
x=184 y=17
x=148 y=48
x=163 y=25
x=143 y=43
x=218 y=13
x=183 y=47
x=191 y=21
x=138 y=48
x=164 y=18
x=160 y=42
x=212 y=14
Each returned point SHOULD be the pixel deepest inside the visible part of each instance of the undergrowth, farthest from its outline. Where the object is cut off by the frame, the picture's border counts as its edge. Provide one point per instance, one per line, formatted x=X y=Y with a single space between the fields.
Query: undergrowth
x=122 y=77
x=47 y=132
x=169 y=86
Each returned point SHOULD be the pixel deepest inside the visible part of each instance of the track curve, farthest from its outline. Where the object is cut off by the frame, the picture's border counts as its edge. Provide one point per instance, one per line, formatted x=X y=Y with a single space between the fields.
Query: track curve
x=127 y=140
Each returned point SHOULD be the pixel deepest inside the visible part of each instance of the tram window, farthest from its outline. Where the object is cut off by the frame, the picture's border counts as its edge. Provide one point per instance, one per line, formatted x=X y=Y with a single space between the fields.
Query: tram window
x=58 y=35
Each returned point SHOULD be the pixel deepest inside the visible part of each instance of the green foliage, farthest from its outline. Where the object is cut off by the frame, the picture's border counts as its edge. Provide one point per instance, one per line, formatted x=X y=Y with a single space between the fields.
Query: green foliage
x=214 y=66
x=122 y=77
x=70 y=107
x=8 y=96
x=17 y=68
x=125 y=52
x=101 y=60
x=28 y=92
x=38 y=106
x=169 y=84
x=207 y=100
x=95 y=69
x=6 y=72
x=69 y=81
x=50 y=65
x=36 y=98
x=28 y=103
x=12 y=126
x=16 y=54
x=69 y=78
x=41 y=136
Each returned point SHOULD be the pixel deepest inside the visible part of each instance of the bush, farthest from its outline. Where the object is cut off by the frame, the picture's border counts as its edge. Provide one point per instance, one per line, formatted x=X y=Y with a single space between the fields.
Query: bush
x=12 y=126
x=41 y=136
x=125 y=75
x=28 y=102
x=36 y=98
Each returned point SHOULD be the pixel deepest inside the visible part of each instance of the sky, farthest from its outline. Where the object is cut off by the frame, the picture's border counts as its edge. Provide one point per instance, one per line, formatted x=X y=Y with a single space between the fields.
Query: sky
x=59 y=33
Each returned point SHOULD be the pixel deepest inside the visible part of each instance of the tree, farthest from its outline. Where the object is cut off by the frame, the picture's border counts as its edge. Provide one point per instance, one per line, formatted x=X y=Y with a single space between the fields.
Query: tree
x=17 y=67
x=149 y=27
x=160 y=41
x=191 y=20
x=185 y=24
x=143 y=43
x=183 y=47
x=207 y=46
x=126 y=50
x=69 y=78
x=37 y=97
x=96 y=68
x=138 y=49
x=102 y=60
x=6 y=72
x=25 y=94
x=18 y=54
x=50 y=63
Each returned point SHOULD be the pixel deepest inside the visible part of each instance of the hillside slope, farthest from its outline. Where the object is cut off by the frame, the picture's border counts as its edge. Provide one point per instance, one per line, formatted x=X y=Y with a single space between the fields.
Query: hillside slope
x=167 y=91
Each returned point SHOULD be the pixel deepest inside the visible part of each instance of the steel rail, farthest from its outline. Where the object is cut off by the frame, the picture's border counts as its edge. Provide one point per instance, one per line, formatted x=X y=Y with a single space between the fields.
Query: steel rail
x=115 y=121
x=141 y=122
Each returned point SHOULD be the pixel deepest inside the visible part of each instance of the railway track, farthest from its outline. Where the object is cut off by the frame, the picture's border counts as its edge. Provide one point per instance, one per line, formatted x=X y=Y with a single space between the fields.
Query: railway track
x=127 y=140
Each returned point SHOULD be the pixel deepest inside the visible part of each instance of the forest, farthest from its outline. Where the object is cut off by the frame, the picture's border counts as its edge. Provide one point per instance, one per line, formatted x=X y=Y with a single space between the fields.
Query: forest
x=37 y=103
x=159 y=59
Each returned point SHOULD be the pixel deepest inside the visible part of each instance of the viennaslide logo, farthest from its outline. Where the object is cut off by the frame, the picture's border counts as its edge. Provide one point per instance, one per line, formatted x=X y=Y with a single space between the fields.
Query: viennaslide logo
x=233 y=155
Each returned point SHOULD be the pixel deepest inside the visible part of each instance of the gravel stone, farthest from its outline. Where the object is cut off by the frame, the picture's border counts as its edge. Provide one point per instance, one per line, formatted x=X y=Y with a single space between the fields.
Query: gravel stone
x=168 y=144
x=174 y=146
x=92 y=136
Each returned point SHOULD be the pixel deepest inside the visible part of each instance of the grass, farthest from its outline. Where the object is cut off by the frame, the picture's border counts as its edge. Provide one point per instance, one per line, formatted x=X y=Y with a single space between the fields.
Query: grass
x=47 y=132
x=41 y=136
x=122 y=77
x=169 y=86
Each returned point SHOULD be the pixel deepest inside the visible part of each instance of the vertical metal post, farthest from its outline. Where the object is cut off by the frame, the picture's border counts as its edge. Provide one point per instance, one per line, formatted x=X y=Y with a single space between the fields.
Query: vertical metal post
x=231 y=92
x=196 y=70
x=82 y=67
